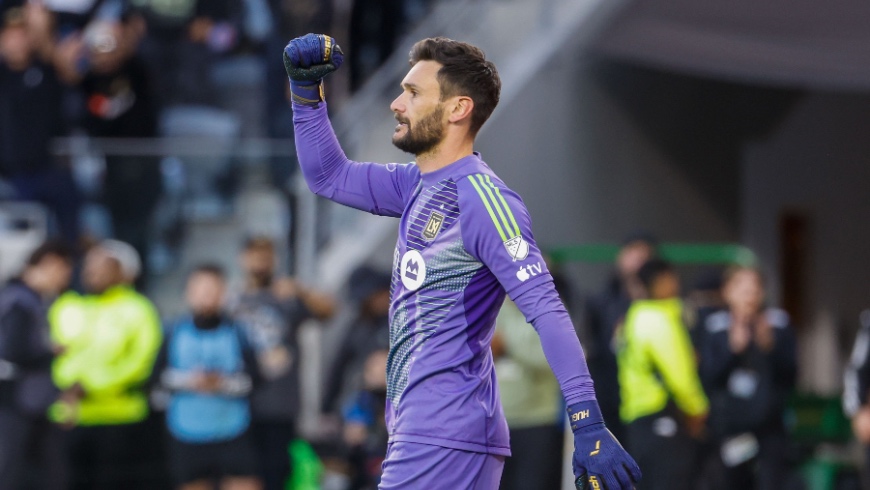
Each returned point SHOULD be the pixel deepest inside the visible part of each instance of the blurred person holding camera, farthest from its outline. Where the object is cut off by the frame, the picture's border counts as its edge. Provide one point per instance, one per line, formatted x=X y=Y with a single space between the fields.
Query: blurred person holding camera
x=663 y=405
x=208 y=369
x=271 y=310
x=749 y=365
x=110 y=338
x=31 y=447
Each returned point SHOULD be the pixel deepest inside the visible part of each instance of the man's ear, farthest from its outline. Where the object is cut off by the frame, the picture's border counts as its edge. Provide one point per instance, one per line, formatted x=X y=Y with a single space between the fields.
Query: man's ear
x=460 y=109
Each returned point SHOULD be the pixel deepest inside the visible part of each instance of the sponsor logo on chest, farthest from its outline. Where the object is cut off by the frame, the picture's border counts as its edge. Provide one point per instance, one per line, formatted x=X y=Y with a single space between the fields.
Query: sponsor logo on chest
x=412 y=270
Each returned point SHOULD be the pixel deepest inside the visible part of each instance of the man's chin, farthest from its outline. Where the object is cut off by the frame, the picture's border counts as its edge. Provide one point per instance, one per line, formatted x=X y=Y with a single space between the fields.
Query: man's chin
x=399 y=143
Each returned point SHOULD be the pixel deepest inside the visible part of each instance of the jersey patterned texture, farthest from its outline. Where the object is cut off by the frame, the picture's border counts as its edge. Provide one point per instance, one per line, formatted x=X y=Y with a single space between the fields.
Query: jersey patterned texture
x=464 y=242
x=451 y=269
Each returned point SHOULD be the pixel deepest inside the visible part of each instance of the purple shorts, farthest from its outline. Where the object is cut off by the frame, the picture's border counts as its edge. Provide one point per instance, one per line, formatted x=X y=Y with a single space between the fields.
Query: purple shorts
x=427 y=467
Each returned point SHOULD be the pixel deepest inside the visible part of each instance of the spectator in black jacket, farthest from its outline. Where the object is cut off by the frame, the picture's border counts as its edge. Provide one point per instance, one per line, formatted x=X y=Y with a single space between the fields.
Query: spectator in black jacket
x=31 y=114
x=30 y=445
x=748 y=363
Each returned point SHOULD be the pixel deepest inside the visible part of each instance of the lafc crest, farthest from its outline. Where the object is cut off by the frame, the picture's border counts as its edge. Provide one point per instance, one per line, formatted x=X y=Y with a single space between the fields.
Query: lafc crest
x=433 y=226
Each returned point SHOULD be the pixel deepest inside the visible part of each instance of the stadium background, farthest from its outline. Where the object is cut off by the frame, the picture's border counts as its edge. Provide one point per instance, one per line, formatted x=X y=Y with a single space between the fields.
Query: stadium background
x=739 y=124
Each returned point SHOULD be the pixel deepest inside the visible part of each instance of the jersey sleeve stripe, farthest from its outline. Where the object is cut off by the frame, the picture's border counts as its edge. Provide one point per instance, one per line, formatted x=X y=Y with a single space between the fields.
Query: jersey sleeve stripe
x=507 y=208
x=488 y=207
x=495 y=204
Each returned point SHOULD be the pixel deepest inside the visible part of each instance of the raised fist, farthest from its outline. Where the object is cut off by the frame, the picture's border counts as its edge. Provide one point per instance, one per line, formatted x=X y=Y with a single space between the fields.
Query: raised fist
x=311 y=57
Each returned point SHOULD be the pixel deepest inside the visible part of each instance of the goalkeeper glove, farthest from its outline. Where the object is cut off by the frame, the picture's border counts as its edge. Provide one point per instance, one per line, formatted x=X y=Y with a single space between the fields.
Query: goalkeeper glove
x=600 y=462
x=307 y=60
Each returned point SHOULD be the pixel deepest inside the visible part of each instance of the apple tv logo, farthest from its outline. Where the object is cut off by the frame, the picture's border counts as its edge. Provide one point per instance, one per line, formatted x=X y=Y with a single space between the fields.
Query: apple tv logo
x=527 y=272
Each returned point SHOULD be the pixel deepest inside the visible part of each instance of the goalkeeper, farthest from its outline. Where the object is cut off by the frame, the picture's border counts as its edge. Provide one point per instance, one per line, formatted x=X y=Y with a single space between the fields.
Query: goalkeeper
x=464 y=242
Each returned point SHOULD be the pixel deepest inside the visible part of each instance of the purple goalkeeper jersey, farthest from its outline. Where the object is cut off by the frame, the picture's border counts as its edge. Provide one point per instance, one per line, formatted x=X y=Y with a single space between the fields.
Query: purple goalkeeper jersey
x=464 y=241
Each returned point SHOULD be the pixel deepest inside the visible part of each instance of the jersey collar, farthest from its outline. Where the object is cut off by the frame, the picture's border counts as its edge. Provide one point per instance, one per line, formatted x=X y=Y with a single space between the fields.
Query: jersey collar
x=453 y=169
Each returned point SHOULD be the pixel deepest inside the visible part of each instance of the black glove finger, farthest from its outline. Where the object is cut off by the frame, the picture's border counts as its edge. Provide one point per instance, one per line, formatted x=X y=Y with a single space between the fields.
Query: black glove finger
x=590 y=482
x=634 y=471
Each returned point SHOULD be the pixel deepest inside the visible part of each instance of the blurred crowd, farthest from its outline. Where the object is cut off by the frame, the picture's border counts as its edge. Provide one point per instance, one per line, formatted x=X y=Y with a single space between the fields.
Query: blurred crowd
x=694 y=381
x=97 y=391
x=154 y=68
x=697 y=388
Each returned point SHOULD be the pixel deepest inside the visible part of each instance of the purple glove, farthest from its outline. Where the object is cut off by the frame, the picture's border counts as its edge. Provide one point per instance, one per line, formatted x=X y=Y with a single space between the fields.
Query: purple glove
x=307 y=60
x=600 y=462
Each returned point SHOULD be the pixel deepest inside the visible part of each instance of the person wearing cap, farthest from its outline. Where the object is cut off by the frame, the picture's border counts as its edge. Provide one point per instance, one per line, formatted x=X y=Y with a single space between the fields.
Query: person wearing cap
x=270 y=309
x=605 y=311
x=110 y=338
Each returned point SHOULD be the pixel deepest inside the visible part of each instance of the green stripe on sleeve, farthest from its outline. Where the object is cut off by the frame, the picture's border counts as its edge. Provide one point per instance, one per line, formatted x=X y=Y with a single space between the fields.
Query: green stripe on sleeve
x=506 y=207
x=488 y=207
x=510 y=233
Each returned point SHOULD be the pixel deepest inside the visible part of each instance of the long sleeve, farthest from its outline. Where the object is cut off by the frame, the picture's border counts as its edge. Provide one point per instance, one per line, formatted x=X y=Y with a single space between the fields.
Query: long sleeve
x=378 y=189
x=545 y=311
x=497 y=230
x=717 y=360
x=22 y=344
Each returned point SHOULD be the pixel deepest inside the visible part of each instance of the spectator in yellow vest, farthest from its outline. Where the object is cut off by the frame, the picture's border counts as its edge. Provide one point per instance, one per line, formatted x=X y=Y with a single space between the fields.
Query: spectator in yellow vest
x=662 y=402
x=110 y=338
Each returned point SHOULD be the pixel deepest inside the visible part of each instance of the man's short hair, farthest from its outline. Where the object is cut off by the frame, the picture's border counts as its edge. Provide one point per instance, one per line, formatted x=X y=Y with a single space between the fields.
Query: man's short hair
x=651 y=270
x=733 y=270
x=209 y=268
x=464 y=71
x=258 y=242
x=51 y=248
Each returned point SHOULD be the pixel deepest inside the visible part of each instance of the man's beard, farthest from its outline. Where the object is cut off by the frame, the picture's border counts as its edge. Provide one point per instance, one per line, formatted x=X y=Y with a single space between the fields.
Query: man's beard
x=423 y=136
x=261 y=279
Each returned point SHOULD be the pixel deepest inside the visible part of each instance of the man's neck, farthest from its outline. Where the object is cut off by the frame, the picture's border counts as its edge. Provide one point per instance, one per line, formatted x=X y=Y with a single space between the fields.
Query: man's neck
x=443 y=155
x=254 y=285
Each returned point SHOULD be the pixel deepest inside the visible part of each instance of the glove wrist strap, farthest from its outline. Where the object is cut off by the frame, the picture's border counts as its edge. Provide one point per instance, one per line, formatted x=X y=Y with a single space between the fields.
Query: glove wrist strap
x=584 y=414
x=307 y=93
